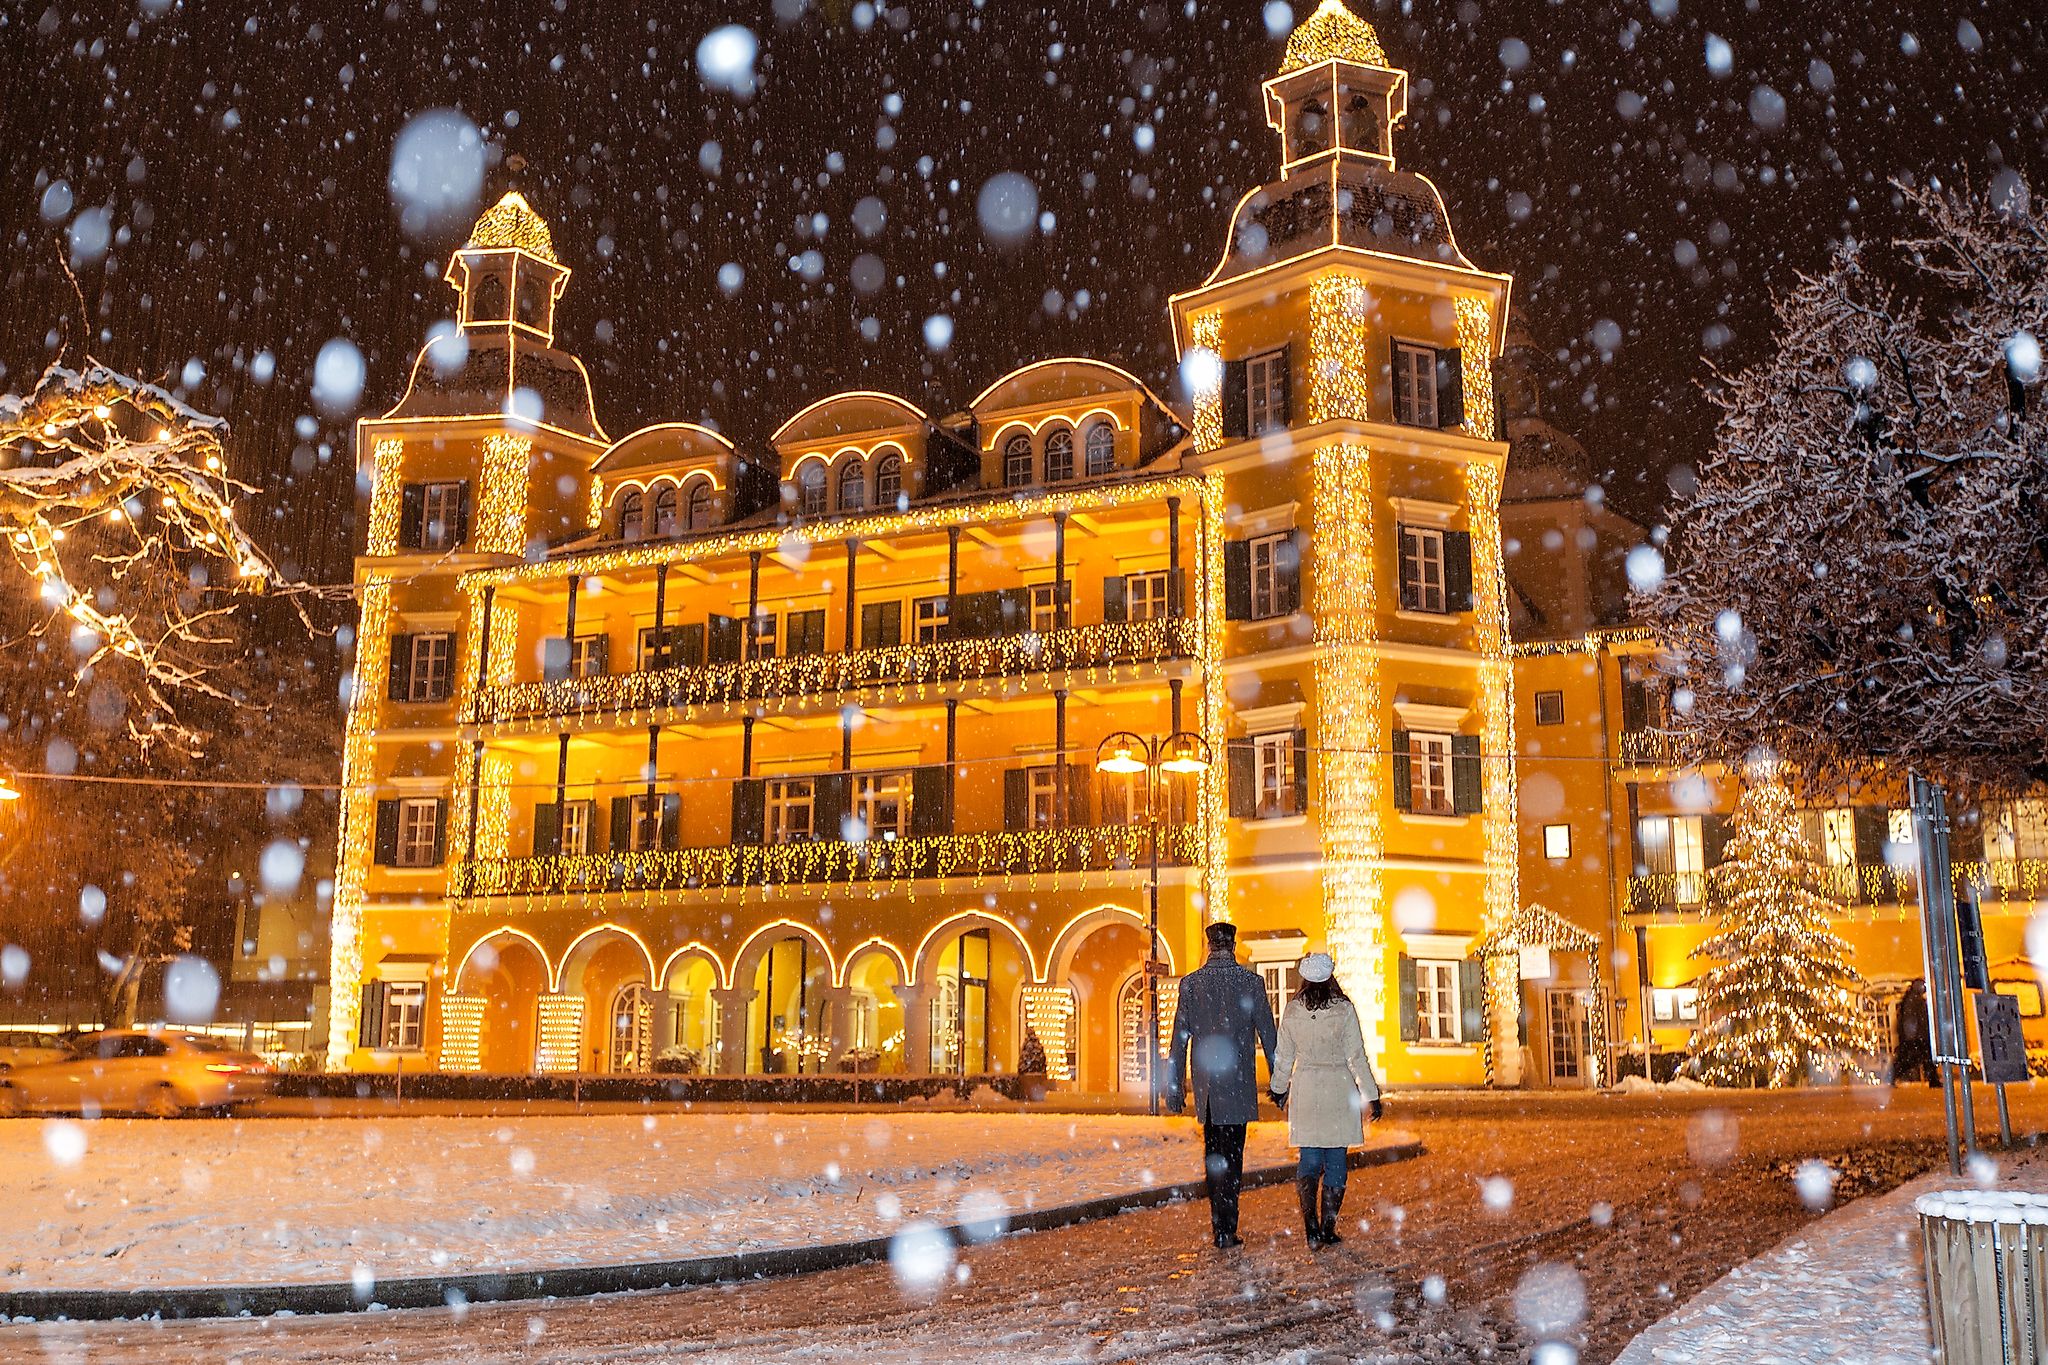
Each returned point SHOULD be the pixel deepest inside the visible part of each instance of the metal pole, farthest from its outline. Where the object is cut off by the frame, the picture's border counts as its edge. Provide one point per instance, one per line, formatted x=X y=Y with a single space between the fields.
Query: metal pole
x=1937 y=938
x=2004 y=1118
x=1152 y=944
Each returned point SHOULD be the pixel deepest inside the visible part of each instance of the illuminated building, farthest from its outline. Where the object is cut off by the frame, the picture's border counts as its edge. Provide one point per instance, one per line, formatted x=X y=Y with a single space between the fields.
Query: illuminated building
x=643 y=766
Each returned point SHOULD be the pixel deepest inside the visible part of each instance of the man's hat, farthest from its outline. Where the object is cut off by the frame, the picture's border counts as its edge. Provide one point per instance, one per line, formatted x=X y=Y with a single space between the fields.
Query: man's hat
x=1222 y=934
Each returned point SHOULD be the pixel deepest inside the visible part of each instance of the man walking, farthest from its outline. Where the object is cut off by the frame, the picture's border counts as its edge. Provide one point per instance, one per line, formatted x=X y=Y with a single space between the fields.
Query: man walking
x=1221 y=1015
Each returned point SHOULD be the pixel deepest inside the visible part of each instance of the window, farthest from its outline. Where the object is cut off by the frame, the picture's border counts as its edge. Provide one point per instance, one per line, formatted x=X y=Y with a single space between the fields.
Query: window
x=1123 y=798
x=1100 y=444
x=667 y=522
x=1688 y=860
x=427 y=672
x=441 y=516
x=1265 y=378
x=1422 y=569
x=1414 y=384
x=1017 y=461
x=1311 y=129
x=929 y=619
x=853 y=485
x=810 y=489
x=1059 y=455
x=668 y=648
x=405 y=1008
x=1557 y=841
x=882 y=802
x=1899 y=825
x=1436 y=1002
x=1145 y=596
x=1361 y=125
x=643 y=830
x=632 y=515
x=1045 y=607
x=1550 y=708
x=1268 y=554
x=764 y=635
x=1041 y=792
x=1675 y=1005
x=577 y=823
x=2016 y=830
x=1429 y=774
x=419 y=829
x=1282 y=980
x=587 y=656
x=700 y=505
x=791 y=804
x=807 y=632
x=889 y=480
x=1838 y=837
x=1274 y=758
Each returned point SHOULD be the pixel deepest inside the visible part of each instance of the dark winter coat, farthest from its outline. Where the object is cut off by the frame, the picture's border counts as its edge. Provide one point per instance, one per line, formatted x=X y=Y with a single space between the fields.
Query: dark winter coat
x=1221 y=1017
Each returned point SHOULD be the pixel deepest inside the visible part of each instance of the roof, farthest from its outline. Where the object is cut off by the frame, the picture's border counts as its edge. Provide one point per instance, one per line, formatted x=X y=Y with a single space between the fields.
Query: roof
x=511 y=222
x=1333 y=32
x=476 y=375
x=1343 y=201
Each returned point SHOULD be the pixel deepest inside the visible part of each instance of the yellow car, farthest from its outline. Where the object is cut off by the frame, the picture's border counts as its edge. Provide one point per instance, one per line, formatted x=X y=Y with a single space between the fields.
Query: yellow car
x=136 y=1071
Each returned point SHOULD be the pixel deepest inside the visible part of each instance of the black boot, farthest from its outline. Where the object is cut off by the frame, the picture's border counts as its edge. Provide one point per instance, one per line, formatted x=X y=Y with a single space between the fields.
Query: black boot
x=1333 y=1204
x=1305 y=1187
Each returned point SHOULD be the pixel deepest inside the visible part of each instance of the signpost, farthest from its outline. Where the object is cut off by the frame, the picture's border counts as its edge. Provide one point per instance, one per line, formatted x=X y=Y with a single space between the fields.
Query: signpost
x=1950 y=1032
x=2004 y=1049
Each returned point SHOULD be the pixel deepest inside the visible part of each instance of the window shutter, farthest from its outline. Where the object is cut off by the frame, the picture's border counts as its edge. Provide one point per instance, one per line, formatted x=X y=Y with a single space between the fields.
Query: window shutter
x=1394 y=381
x=1287 y=385
x=1404 y=783
x=547 y=834
x=1471 y=1000
x=1237 y=580
x=1713 y=839
x=928 y=800
x=600 y=656
x=1243 y=774
x=686 y=646
x=1301 y=772
x=622 y=823
x=1016 y=800
x=1873 y=825
x=384 y=850
x=370 y=1025
x=749 y=810
x=1235 y=396
x=1450 y=388
x=461 y=514
x=398 y=676
x=412 y=515
x=1287 y=574
x=1411 y=590
x=1457 y=571
x=440 y=831
x=722 y=639
x=1012 y=611
x=834 y=801
x=671 y=820
x=1411 y=1028
x=554 y=658
x=881 y=625
x=1113 y=599
x=1077 y=794
x=1467 y=793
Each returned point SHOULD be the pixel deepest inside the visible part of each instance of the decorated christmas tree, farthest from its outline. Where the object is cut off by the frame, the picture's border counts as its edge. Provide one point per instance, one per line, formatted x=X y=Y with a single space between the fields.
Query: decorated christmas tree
x=1778 y=1006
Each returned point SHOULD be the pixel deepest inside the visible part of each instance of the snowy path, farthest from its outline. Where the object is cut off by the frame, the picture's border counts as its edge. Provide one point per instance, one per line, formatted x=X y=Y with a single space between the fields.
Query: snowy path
x=1848 y=1289
x=128 y=1203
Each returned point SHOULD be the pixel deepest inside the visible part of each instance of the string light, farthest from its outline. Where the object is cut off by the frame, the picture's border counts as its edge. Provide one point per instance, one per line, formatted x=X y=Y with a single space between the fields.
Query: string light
x=1502 y=889
x=1332 y=33
x=1049 y=1012
x=1533 y=926
x=501 y=508
x=1340 y=382
x=358 y=822
x=512 y=224
x=462 y=1032
x=1475 y=351
x=387 y=495
x=561 y=1033
x=1215 y=779
x=1205 y=333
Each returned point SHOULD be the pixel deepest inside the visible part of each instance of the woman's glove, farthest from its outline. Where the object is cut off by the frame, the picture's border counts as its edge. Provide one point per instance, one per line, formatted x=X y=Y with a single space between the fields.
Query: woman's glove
x=1378 y=1111
x=1279 y=1098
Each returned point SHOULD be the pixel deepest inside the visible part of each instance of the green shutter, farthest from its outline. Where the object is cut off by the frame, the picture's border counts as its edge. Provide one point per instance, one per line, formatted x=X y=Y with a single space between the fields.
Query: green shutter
x=1235 y=400
x=1450 y=388
x=622 y=824
x=1457 y=571
x=1472 y=999
x=1468 y=793
x=546 y=829
x=440 y=831
x=384 y=849
x=1243 y=775
x=1016 y=800
x=1411 y=1029
x=1113 y=608
x=1237 y=580
x=397 y=672
x=1404 y=783
x=1301 y=772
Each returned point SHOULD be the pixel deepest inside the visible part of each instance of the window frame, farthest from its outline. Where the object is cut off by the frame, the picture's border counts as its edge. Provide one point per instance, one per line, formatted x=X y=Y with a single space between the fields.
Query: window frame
x=1044 y=600
x=1414 y=382
x=1273 y=758
x=764 y=637
x=419 y=829
x=643 y=822
x=1041 y=797
x=1554 y=697
x=1427 y=544
x=1838 y=836
x=697 y=511
x=1431 y=788
x=870 y=797
x=812 y=492
x=1687 y=836
x=852 y=475
x=888 y=480
x=585 y=650
x=446 y=493
x=1281 y=978
x=666 y=521
x=929 y=617
x=403 y=1025
x=424 y=681
x=1265 y=397
x=1147 y=595
x=1018 y=461
x=783 y=798
x=1439 y=1012
x=1265 y=577
x=1063 y=473
x=1091 y=447
x=1551 y=848
x=632 y=515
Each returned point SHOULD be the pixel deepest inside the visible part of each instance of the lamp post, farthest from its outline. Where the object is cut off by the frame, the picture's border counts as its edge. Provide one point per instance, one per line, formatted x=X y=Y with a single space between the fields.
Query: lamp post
x=1127 y=754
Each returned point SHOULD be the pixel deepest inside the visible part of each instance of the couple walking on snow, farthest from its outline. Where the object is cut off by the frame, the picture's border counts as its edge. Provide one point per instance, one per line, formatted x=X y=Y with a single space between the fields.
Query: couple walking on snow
x=1320 y=1076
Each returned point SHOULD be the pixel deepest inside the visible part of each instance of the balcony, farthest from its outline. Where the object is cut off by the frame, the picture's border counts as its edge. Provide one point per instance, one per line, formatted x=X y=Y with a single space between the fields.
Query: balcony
x=1084 y=655
x=993 y=854
x=1650 y=749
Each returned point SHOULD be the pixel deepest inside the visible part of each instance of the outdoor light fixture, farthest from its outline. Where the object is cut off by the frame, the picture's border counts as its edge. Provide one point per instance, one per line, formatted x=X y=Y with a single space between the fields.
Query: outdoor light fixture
x=1120 y=754
x=7 y=791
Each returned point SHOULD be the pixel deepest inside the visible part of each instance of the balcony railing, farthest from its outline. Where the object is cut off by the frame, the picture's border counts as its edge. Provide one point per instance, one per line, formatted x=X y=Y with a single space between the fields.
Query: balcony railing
x=1852 y=884
x=1085 y=655
x=1649 y=749
x=994 y=854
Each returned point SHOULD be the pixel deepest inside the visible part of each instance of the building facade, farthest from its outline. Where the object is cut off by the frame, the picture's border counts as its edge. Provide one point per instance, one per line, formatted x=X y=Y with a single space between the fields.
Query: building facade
x=640 y=773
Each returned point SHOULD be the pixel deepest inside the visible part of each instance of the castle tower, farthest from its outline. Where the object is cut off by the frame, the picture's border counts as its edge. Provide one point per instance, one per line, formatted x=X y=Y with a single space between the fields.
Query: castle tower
x=1341 y=354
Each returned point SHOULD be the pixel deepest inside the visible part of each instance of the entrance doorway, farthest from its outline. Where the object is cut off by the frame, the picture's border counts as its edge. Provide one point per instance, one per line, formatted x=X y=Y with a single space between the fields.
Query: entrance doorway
x=959 y=1012
x=632 y=1028
x=1569 y=1034
x=1132 y=1065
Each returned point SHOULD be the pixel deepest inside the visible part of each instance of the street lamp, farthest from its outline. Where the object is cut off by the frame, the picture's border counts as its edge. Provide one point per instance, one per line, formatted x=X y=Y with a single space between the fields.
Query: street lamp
x=1127 y=754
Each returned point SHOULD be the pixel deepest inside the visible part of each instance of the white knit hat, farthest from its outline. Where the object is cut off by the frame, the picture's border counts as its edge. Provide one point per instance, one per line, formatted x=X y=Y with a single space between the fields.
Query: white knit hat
x=1317 y=967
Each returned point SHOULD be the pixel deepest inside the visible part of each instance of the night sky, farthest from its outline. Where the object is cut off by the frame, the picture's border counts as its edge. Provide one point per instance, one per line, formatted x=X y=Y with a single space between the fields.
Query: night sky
x=1648 y=187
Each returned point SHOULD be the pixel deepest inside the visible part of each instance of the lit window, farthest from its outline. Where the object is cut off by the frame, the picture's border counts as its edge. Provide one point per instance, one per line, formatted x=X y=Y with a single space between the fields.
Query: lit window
x=1045 y=607
x=1041 y=789
x=2016 y=830
x=1282 y=979
x=419 y=829
x=428 y=670
x=632 y=515
x=1145 y=596
x=1275 y=765
x=667 y=521
x=1899 y=825
x=1271 y=558
x=700 y=505
x=1838 y=836
x=765 y=627
x=882 y=801
x=405 y=1007
x=1414 y=384
x=1675 y=1005
x=576 y=826
x=1429 y=774
x=1017 y=462
x=810 y=489
x=853 y=485
x=587 y=656
x=889 y=480
x=1688 y=860
x=1265 y=393
x=643 y=832
x=441 y=516
x=929 y=619
x=1557 y=841
x=791 y=802
x=1123 y=799
x=1550 y=708
x=1436 y=1002
x=1059 y=455
x=1101 y=448
x=1422 y=569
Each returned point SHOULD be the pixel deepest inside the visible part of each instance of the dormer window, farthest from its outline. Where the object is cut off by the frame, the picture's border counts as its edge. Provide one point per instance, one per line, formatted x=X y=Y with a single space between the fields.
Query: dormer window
x=665 y=520
x=1059 y=455
x=1101 y=445
x=889 y=480
x=1017 y=462
x=810 y=490
x=853 y=486
x=700 y=505
x=632 y=515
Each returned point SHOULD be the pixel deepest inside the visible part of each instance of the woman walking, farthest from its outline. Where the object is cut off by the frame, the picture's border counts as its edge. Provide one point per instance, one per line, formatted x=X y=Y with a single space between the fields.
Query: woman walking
x=1323 y=1079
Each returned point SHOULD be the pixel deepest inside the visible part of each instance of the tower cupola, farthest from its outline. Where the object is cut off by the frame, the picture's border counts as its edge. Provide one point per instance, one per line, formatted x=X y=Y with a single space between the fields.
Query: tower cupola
x=1335 y=94
x=507 y=273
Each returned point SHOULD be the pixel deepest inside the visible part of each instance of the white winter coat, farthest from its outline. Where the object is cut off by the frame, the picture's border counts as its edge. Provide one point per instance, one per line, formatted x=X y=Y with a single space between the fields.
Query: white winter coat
x=1322 y=1068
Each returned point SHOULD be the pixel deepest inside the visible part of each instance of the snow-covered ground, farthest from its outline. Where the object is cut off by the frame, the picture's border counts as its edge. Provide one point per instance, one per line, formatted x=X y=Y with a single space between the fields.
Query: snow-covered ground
x=120 y=1204
x=1848 y=1289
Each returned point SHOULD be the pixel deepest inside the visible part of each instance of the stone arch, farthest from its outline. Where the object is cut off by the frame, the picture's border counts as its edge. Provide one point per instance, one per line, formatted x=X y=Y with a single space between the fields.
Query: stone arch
x=1060 y=960
x=509 y=971
x=786 y=992
x=942 y=934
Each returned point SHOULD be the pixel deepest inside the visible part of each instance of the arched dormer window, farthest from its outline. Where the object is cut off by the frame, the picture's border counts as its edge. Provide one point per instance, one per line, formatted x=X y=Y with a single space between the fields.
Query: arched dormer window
x=632 y=515
x=889 y=480
x=1101 y=447
x=1311 y=129
x=1017 y=462
x=853 y=485
x=1059 y=455
x=699 y=518
x=810 y=489
x=666 y=523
